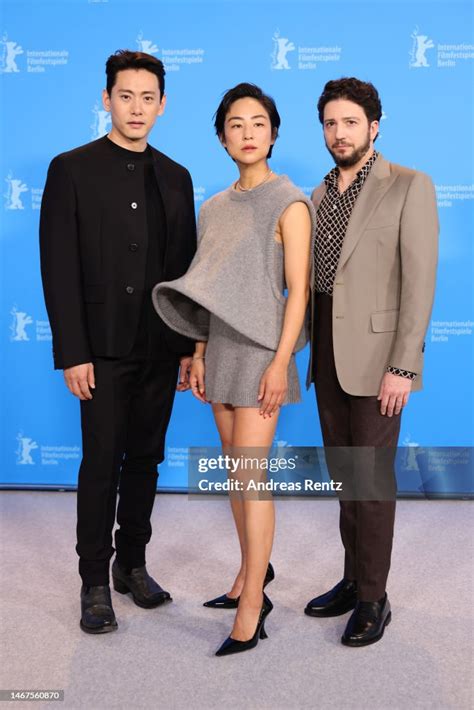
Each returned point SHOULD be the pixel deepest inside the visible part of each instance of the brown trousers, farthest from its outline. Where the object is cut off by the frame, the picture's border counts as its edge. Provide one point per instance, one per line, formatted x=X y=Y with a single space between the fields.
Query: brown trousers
x=360 y=447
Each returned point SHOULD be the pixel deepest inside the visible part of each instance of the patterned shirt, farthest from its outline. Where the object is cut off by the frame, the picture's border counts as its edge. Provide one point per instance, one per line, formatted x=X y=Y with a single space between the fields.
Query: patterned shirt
x=331 y=224
x=332 y=219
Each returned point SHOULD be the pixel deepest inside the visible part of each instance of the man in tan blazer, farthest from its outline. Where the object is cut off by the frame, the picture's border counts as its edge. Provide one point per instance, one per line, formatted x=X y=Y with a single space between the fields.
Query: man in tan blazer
x=374 y=278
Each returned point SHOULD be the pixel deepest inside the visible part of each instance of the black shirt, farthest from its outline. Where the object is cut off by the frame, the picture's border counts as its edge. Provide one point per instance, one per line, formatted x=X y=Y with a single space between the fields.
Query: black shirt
x=150 y=341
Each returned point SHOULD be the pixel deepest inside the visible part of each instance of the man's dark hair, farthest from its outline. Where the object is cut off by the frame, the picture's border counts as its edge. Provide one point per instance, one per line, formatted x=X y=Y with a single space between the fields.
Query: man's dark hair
x=362 y=93
x=244 y=91
x=125 y=59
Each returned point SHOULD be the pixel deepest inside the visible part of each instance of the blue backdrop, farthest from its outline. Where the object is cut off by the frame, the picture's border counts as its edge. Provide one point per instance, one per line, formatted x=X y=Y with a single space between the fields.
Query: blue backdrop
x=419 y=55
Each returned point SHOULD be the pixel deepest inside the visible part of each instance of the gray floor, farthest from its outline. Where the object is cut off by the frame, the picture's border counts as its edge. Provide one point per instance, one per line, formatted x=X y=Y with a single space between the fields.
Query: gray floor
x=163 y=658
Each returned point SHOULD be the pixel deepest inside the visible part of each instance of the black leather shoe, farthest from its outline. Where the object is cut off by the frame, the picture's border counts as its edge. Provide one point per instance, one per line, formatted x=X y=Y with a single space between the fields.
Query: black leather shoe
x=97 y=614
x=367 y=623
x=145 y=591
x=231 y=645
x=226 y=602
x=339 y=600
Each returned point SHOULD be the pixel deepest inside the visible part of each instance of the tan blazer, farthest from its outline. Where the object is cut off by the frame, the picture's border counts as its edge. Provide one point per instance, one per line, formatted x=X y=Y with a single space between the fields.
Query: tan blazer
x=384 y=285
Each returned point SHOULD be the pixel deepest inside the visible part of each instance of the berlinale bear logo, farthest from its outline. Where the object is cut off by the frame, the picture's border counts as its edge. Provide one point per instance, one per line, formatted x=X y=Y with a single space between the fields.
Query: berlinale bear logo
x=19 y=323
x=146 y=45
x=101 y=123
x=421 y=43
x=14 y=190
x=9 y=52
x=281 y=47
x=23 y=452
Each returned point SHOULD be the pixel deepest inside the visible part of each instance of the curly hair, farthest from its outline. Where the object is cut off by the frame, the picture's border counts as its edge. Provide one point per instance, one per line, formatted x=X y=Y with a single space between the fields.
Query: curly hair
x=362 y=93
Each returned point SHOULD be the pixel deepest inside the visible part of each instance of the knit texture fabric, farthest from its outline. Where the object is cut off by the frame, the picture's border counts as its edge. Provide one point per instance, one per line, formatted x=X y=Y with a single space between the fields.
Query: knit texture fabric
x=235 y=274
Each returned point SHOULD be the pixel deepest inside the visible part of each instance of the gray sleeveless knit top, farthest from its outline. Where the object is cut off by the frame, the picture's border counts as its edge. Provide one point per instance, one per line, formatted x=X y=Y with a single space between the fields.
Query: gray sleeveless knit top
x=237 y=273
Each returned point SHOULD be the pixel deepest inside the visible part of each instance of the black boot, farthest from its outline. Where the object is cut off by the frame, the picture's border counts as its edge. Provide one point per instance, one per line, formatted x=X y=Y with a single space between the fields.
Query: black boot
x=145 y=591
x=97 y=614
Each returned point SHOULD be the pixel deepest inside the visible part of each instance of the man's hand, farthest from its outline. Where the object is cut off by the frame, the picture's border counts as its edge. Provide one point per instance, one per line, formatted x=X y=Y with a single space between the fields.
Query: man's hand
x=80 y=380
x=394 y=393
x=184 y=368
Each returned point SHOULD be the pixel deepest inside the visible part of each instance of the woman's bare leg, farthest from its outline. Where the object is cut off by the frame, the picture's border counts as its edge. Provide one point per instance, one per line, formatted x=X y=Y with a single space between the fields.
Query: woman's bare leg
x=224 y=416
x=255 y=434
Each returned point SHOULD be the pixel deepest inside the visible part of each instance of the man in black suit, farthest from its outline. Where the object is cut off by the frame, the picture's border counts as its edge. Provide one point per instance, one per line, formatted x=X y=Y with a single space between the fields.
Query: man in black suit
x=118 y=217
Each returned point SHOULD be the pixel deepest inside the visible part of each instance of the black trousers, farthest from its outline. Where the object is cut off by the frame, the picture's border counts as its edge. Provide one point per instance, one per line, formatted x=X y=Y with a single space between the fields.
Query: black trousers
x=123 y=435
x=361 y=453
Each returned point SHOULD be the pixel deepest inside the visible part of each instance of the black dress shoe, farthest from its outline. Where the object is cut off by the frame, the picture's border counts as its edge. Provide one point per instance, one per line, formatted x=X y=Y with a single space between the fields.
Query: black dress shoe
x=226 y=602
x=367 y=623
x=339 y=600
x=97 y=614
x=231 y=645
x=145 y=591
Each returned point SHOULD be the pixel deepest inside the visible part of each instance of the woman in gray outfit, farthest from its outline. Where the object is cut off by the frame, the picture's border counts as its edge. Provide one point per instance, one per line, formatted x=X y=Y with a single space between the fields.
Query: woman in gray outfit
x=254 y=239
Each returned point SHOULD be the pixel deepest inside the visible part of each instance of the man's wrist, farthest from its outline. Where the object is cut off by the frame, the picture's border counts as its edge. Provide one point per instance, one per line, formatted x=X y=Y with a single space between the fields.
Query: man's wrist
x=401 y=373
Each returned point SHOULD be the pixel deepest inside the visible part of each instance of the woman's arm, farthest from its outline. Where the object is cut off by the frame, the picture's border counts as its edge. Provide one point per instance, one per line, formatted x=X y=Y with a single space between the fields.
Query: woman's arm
x=295 y=229
x=197 y=372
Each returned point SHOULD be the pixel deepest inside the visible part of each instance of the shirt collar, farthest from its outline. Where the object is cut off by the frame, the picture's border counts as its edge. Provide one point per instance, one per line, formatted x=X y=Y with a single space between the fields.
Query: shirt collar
x=332 y=176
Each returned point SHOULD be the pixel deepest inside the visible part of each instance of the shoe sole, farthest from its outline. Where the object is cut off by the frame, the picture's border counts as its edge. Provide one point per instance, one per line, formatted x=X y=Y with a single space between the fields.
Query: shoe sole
x=151 y=606
x=325 y=615
x=225 y=605
x=101 y=630
x=121 y=588
x=359 y=644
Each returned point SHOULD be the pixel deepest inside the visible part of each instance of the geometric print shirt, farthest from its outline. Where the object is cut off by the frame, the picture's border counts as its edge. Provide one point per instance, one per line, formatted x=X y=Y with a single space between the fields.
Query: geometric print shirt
x=332 y=219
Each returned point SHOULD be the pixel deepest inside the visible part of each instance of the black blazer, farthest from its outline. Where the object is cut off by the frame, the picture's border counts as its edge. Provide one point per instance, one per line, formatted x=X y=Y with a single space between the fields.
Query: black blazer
x=93 y=244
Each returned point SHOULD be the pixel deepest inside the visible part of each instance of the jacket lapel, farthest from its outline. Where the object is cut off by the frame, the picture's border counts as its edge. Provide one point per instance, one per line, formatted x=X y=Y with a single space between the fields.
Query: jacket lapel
x=376 y=185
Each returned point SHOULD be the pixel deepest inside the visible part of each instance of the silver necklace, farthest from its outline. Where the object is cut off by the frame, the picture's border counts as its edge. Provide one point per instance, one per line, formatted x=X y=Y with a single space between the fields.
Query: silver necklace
x=249 y=189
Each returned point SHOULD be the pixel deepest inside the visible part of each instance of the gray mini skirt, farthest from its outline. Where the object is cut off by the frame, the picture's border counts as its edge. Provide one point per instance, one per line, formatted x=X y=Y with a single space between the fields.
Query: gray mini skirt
x=235 y=365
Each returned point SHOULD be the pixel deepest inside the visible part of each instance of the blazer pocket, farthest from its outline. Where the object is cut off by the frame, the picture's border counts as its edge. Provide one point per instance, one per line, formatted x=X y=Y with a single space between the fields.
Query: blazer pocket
x=385 y=224
x=94 y=293
x=384 y=321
